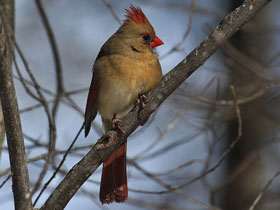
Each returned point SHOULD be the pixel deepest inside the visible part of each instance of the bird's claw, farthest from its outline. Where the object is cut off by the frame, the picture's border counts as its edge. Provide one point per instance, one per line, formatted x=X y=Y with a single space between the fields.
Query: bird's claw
x=117 y=124
x=141 y=100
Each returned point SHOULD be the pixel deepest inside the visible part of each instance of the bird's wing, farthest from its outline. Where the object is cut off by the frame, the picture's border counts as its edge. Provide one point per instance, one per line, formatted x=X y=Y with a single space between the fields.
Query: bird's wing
x=91 y=108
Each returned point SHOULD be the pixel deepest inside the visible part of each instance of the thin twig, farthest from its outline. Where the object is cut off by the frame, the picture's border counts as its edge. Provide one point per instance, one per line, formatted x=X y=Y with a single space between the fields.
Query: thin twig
x=107 y=3
x=52 y=126
x=177 y=191
x=4 y=182
x=56 y=57
x=59 y=166
x=219 y=162
x=178 y=46
x=240 y=101
x=67 y=100
x=171 y=125
x=260 y=195
x=238 y=114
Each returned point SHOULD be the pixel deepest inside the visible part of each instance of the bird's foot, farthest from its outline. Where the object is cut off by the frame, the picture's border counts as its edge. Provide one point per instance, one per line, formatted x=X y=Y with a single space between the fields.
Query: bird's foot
x=117 y=124
x=141 y=100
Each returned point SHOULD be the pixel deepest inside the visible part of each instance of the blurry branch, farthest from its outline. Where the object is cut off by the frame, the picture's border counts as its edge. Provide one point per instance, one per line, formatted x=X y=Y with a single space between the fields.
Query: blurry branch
x=58 y=96
x=178 y=46
x=43 y=101
x=247 y=99
x=174 y=121
x=177 y=191
x=223 y=156
x=30 y=160
x=238 y=114
x=220 y=160
x=56 y=57
x=27 y=89
x=109 y=6
x=183 y=165
x=176 y=143
x=204 y=11
x=7 y=178
x=94 y=199
x=45 y=155
x=252 y=207
x=249 y=160
x=27 y=83
x=20 y=178
x=145 y=204
x=60 y=165
x=258 y=93
x=246 y=61
x=271 y=60
x=170 y=82
x=67 y=100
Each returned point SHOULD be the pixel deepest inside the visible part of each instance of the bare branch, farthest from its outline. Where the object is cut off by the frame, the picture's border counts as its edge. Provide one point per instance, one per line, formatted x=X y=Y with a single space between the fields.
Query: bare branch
x=43 y=101
x=238 y=114
x=186 y=34
x=177 y=191
x=56 y=57
x=252 y=207
x=21 y=188
x=7 y=178
x=107 y=3
x=59 y=166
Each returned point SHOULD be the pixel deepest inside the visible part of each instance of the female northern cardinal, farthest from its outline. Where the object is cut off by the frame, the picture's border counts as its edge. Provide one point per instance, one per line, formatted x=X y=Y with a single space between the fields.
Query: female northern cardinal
x=125 y=68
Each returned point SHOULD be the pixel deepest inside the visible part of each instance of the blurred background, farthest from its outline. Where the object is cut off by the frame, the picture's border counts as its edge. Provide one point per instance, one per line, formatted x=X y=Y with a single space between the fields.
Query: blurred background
x=215 y=140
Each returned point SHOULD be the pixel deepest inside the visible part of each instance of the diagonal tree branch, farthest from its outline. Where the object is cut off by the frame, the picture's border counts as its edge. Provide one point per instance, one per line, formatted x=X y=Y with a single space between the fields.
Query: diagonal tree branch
x=18 y=162
x=170 y=82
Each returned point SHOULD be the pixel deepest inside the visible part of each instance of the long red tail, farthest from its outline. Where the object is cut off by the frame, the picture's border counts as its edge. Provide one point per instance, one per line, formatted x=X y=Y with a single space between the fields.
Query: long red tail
x=114 y=181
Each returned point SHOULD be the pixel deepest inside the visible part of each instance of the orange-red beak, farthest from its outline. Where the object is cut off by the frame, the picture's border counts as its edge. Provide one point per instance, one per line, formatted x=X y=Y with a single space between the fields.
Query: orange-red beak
x=156 y=42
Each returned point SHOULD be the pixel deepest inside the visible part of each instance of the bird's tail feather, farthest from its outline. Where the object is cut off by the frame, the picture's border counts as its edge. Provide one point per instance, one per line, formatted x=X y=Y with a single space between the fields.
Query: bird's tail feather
x=114 y=181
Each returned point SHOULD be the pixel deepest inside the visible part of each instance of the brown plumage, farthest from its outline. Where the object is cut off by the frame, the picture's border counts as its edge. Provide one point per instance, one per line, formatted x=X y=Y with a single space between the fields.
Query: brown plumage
x=125 y=67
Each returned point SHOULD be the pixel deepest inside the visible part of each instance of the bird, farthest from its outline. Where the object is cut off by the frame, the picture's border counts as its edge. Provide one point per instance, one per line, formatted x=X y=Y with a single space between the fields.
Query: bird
x=126 y=68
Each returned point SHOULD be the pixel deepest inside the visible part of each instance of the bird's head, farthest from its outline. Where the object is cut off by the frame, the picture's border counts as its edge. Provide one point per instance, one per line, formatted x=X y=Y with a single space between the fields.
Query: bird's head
x=137 y=32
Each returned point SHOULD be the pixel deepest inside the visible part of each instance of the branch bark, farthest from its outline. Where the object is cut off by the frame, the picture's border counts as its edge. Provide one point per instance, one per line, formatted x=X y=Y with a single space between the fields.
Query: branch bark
x=170 y=82
x=20 y=178
x=2 y=130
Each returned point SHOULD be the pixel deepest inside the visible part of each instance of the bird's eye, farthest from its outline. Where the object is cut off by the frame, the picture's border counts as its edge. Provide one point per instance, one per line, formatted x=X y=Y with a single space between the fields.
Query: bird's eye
x=146 y=37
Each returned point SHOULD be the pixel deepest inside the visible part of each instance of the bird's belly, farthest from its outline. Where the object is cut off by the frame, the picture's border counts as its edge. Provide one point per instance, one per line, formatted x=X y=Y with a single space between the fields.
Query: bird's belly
x=121 y=85
x=116 y=99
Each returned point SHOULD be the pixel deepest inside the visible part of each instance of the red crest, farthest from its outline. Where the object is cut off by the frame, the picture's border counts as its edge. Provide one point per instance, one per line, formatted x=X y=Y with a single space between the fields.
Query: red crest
x=136 y=15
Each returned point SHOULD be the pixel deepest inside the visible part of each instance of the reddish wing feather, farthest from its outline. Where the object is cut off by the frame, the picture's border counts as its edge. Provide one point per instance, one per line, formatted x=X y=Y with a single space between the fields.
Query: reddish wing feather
x=91 y=109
